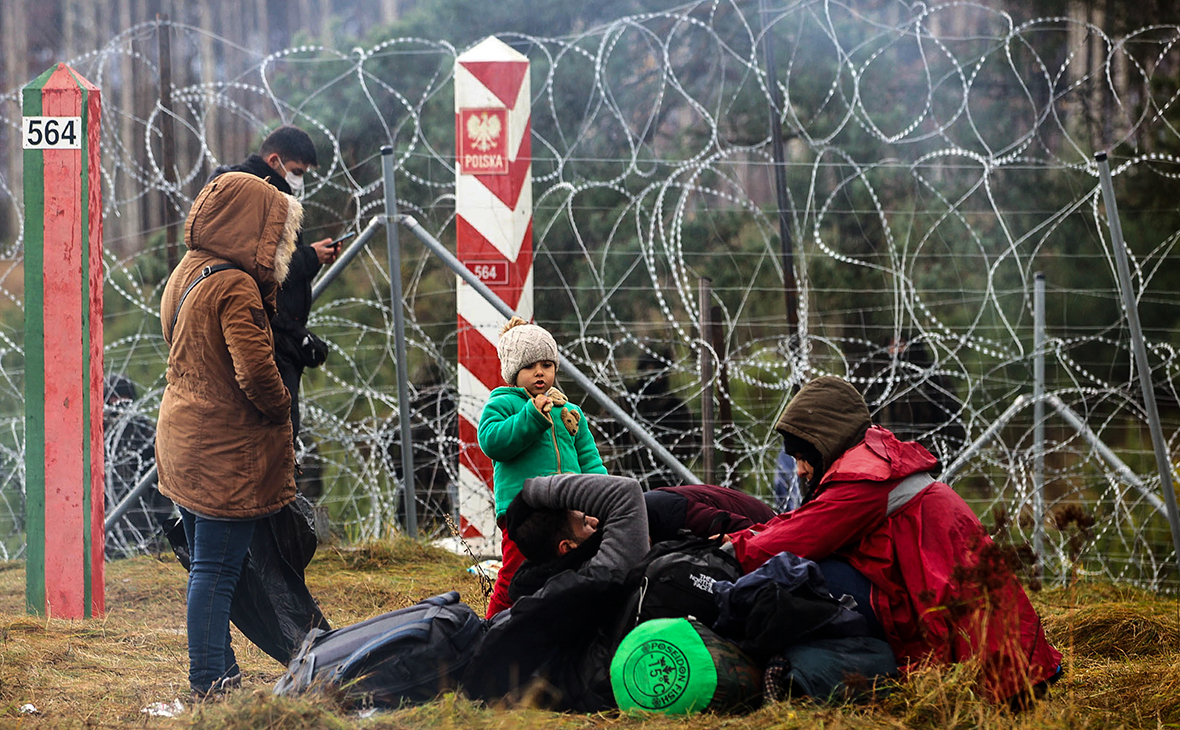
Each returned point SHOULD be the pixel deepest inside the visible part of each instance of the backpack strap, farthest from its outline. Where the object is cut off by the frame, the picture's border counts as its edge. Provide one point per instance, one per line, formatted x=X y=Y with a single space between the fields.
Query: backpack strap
x=205 y=274
x=905 y=490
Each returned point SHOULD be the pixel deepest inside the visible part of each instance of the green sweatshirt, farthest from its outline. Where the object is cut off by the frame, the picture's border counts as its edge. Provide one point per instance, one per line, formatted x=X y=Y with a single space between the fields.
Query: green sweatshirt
x=523 y=443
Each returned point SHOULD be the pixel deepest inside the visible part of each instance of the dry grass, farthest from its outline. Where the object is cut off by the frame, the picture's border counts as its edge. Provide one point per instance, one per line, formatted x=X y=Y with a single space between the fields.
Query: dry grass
x=1121 y=647
x=354 y=583
x=1130 y=625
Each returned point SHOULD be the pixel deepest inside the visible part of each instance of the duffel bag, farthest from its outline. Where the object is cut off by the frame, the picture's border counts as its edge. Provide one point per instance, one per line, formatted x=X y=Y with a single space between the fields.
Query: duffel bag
x=678 y=666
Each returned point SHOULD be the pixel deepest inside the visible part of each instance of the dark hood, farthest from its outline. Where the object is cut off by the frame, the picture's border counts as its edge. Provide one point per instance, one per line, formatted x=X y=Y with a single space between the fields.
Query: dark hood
x=828 y=413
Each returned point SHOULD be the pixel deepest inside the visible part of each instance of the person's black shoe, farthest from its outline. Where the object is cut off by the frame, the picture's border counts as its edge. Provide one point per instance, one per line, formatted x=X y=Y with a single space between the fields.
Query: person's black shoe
x=220 y=689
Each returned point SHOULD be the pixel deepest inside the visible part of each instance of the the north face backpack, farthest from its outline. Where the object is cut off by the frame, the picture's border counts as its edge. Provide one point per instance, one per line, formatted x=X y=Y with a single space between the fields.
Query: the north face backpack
x=406 y=656
x=676 y=580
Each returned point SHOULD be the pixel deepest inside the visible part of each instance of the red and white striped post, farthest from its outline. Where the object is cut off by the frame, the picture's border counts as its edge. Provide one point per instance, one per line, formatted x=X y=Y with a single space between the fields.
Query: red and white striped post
x=494 y=232
x=63 y=346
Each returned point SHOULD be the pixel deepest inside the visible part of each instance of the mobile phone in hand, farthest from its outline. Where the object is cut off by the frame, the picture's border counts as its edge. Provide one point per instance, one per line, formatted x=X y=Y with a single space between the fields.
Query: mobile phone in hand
x=336 y=242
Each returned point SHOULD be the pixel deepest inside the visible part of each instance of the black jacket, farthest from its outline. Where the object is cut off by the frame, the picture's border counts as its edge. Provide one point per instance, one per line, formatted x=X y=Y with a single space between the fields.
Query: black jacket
x=561 y=638
x=293 y=304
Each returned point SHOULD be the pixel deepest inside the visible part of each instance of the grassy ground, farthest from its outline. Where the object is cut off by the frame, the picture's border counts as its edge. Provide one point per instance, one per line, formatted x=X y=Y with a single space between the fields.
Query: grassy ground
x=1122 y=652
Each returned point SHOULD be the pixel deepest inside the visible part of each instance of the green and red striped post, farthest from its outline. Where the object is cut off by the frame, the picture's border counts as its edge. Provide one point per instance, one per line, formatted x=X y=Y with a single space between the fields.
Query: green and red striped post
x=63 y=346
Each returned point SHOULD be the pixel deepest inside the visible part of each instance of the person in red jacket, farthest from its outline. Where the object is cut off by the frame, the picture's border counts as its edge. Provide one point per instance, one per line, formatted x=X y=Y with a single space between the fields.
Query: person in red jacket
x=938 y=588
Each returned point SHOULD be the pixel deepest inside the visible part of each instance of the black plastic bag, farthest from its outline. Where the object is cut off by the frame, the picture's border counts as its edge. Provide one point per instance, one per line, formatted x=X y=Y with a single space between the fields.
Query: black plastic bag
x=272 y=606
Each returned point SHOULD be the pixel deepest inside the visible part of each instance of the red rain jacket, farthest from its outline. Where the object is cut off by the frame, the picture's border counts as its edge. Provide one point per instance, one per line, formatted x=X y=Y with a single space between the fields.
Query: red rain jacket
x=941 y=589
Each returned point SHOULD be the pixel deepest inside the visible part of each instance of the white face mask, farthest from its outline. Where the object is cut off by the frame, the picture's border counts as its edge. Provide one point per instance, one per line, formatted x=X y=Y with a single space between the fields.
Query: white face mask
x=296 y=184
x=295 y=181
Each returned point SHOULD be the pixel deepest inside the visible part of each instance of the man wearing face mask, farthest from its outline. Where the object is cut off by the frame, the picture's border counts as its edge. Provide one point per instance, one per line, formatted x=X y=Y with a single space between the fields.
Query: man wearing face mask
x=285 y=156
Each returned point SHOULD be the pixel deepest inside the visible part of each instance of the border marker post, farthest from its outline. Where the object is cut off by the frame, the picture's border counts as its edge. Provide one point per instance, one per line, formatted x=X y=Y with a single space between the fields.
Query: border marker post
x=63 y=345
x=494 y=240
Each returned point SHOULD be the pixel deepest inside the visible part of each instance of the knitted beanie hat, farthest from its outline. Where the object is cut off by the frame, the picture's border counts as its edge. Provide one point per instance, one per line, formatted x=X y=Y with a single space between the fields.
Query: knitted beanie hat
x=523 y=344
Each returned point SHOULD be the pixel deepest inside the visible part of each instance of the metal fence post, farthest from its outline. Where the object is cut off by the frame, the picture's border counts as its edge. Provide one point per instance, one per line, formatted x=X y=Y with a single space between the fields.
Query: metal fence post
x=705 y=292
x=1038 y=497
x=1162 y=461
x=399 y=332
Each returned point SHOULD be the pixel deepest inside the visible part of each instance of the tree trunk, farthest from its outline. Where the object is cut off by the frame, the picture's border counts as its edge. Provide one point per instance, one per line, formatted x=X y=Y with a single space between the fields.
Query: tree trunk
x=14 y=28
x=324 y=33
x=88 y=15
x=69 y=20
x=390 y=11
x=127 y=228
x=302 y=21
x=262 y=23
x=208 y=65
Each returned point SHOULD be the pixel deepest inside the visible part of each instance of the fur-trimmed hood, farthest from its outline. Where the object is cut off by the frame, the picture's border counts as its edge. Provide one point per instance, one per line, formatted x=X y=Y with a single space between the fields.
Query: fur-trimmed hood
x=246 y=221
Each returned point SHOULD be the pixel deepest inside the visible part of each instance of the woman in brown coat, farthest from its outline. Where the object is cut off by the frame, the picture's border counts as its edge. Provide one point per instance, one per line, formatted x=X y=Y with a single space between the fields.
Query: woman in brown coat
x=223 y=446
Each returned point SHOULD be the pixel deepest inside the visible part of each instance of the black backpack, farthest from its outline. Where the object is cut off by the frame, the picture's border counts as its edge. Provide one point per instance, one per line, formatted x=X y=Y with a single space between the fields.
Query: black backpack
x=675 y=579
x=406 y=656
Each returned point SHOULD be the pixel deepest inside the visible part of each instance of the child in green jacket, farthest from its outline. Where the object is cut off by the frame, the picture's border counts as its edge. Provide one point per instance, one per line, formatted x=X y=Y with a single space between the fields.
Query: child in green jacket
x=529 y=429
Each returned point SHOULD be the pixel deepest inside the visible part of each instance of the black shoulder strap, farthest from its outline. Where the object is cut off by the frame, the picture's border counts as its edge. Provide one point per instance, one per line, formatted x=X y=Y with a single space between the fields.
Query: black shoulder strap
x=205 y=274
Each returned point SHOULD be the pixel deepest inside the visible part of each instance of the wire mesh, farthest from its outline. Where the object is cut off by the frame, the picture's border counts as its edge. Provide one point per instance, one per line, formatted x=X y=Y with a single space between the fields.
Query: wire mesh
x=937 y=157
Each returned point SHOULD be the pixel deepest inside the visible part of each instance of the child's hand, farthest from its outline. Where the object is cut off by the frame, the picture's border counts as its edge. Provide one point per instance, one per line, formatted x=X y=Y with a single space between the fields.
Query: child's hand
x=543 y=403
x=557 y=396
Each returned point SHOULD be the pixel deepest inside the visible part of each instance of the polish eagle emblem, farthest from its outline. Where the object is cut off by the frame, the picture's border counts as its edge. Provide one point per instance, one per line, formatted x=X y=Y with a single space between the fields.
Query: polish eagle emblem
x=483 y=130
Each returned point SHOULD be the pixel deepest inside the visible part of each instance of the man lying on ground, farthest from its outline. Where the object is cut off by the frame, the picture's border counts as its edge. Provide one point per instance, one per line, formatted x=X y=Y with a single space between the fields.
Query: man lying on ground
x=556 y=641
x=908 y=548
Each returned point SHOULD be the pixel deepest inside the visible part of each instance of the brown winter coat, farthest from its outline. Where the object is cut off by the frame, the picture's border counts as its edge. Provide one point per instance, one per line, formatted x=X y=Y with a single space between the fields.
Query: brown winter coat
x=223 y=445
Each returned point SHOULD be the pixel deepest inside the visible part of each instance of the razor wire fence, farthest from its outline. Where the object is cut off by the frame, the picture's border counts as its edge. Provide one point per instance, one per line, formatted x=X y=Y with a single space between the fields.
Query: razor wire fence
x=936 y=158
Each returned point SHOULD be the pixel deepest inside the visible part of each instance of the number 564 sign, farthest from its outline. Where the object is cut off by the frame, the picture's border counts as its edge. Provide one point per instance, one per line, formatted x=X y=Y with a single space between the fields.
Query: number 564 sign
x=492 y=273
x=52 y=133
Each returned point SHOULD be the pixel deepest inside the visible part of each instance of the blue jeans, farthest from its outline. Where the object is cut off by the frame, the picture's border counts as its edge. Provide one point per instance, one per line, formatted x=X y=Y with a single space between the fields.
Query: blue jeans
x=217 y=551
x=843 y=578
